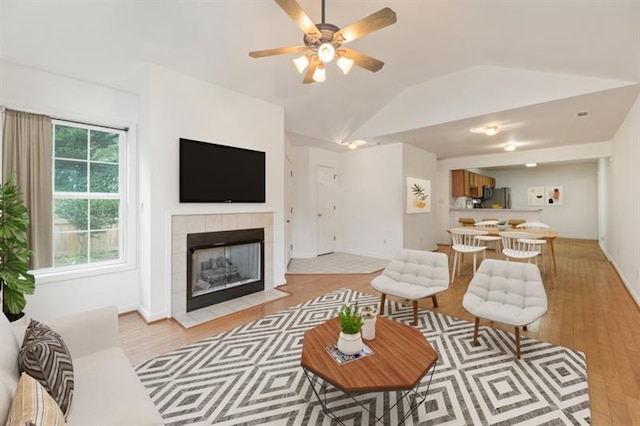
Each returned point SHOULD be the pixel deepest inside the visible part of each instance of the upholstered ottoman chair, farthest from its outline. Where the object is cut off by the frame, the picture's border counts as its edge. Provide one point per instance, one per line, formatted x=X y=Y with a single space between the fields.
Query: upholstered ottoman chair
x=413 y=275
x=510 y=293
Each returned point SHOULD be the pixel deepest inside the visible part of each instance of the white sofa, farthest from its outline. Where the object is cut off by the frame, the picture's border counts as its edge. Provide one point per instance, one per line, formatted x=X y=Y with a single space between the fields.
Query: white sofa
x=107 y=389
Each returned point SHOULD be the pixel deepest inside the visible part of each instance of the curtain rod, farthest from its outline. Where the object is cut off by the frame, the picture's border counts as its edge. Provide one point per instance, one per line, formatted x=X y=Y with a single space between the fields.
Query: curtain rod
x=3 y=108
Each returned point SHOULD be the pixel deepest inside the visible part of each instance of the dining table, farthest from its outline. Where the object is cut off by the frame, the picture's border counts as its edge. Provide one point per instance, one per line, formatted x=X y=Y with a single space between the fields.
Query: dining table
x=545 y=234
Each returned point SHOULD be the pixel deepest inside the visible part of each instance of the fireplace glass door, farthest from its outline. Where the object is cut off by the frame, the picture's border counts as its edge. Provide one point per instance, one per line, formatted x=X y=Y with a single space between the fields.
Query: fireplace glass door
x=221 y=268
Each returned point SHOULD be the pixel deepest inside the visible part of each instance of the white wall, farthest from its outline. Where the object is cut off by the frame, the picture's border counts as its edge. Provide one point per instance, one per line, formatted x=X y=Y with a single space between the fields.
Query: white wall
x=167 y=106
x=622 y=235
x=372 y=200
x=420 y=229
x=31 y=90
x=181 y=106
x=577 y=217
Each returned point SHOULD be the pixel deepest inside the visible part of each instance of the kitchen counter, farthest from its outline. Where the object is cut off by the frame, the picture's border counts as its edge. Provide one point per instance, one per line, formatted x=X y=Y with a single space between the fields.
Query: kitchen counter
x=529 y=215
x=493 y=210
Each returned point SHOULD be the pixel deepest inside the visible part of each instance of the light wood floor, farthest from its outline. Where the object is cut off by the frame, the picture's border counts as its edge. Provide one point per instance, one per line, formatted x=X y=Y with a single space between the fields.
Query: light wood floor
x=590 y=310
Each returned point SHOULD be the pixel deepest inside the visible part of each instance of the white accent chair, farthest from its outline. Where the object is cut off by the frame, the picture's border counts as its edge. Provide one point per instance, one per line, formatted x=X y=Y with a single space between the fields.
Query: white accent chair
x=510 y=293
x=488 y=238
x=465 y=241
x=519 y=246
x=413 y=275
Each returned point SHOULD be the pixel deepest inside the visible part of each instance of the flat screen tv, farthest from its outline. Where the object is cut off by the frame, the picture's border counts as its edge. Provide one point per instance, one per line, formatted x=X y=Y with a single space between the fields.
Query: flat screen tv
x=211 y=173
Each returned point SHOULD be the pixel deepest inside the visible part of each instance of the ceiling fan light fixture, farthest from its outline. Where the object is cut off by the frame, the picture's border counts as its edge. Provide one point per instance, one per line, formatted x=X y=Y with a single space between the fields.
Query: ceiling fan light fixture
x=301 y=63
x=319 y=75
x=509 y=147
x=326 y=52
x=487 y=130
x=345 y=64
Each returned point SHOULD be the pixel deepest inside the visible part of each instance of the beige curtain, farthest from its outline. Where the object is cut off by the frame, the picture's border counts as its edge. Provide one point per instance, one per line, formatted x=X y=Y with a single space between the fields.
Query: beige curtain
x=27 y=149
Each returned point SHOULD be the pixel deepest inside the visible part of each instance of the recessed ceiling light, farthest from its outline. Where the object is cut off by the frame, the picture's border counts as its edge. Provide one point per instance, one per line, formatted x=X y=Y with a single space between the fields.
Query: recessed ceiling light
x=509 y=147
x=355 y=144
x=531 y=165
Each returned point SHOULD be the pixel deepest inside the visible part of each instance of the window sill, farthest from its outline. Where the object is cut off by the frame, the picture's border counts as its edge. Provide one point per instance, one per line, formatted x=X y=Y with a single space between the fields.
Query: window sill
x=47 y=276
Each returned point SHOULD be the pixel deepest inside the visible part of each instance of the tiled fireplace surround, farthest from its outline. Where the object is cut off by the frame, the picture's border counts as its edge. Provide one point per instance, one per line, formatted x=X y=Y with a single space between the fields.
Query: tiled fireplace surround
x=183 y=224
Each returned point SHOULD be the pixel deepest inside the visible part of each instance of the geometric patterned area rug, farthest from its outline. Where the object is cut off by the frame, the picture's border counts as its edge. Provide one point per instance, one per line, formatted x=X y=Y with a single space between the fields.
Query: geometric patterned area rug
x=337 y=263
x=251 y=375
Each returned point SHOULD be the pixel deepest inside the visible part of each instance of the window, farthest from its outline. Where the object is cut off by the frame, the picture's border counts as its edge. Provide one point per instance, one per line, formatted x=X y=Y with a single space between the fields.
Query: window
x=87 y=194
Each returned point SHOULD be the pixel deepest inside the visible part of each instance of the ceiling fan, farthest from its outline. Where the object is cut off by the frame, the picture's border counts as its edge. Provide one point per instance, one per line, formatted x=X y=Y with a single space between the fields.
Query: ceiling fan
x=323 y=42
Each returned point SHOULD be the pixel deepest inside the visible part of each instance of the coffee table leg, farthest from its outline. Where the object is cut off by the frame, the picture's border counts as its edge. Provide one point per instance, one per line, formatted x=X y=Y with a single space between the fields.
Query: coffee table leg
x=317 y=381
x=412 y=394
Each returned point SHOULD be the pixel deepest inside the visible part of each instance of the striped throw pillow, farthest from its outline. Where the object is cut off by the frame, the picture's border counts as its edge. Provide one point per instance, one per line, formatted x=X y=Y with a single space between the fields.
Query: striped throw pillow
x=45 y=357
x=33 y=405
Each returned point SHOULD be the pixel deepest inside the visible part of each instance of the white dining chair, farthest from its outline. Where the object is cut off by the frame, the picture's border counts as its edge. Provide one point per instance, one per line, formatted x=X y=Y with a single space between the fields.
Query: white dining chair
x=538 y=242
x=488 y=238
x=464 y=241
x=519 y=246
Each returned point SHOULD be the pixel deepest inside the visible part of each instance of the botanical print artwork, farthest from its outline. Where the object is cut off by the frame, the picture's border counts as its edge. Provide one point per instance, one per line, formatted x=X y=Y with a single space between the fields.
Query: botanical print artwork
x=418 y=195
x=535 y=195
x=554 y=195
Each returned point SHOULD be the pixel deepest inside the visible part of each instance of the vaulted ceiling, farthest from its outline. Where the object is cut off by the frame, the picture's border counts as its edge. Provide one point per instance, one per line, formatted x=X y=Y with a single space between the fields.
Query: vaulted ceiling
x=527 y=65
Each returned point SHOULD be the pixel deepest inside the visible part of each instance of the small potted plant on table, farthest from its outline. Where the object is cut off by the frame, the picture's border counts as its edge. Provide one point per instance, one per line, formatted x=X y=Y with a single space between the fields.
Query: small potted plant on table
x=502 y=225
x=350 y=341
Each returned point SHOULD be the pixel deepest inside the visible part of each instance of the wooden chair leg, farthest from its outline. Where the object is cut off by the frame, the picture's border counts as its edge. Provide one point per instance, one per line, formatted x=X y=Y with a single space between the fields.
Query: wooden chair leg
x=475 y=332
x=382 y=300
x=435 y=301
x=518 y=342
x=415 y=312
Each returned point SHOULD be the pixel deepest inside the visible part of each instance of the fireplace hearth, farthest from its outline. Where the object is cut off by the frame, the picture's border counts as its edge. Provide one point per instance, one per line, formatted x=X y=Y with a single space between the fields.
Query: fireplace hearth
x=223 y=265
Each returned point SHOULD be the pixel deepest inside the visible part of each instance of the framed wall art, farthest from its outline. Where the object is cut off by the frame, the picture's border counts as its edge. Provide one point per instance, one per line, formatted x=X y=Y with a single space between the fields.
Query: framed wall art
x=554 y=195
x=535 y=196
x=418 y=195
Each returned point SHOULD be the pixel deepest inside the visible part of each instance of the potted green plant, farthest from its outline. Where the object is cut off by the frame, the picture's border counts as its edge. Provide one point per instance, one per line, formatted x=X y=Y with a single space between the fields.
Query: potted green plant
x=502 y=225
x=350 y=341
x=14 y=252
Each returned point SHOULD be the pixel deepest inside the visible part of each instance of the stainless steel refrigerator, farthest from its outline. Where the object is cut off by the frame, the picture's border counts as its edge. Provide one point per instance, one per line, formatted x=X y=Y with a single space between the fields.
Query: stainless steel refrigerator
x=499 y=195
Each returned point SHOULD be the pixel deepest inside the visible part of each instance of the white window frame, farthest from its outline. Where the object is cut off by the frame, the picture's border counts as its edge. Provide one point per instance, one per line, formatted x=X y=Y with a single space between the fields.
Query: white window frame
x=125 y=241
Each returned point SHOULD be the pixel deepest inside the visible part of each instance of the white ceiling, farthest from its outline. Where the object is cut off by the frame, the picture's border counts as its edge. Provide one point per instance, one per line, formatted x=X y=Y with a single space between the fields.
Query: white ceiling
x=107 y=41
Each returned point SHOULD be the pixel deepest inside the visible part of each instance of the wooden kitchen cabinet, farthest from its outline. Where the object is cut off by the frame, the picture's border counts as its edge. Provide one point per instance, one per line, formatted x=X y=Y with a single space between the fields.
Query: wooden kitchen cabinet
x=469 y=184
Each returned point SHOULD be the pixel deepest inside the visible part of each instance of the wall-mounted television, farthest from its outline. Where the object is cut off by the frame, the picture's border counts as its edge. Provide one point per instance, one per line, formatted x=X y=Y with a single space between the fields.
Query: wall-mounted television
x=211 y=173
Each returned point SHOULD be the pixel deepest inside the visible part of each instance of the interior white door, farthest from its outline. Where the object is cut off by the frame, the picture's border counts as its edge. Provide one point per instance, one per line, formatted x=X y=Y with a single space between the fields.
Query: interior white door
x=326 y=209
x=288 y=207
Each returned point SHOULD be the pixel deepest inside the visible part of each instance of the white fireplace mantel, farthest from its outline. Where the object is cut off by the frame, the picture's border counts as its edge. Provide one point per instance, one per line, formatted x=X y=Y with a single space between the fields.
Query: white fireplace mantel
x=188 y=223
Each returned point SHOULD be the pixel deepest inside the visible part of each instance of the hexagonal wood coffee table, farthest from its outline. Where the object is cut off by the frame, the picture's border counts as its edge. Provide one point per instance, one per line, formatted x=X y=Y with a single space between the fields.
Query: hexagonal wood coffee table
x=401 y=357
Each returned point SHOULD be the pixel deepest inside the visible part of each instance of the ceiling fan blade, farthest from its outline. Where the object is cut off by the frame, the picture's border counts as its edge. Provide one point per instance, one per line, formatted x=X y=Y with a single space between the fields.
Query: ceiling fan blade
x=362 y=60
x=380 y=19
x=308 y=76
x=293 y=9
x=278 y=51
